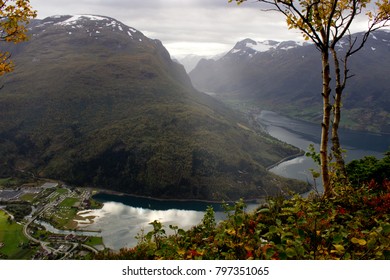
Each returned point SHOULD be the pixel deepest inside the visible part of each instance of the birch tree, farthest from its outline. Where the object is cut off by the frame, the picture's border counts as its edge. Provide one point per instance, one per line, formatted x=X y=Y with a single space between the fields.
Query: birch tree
x=326 y=23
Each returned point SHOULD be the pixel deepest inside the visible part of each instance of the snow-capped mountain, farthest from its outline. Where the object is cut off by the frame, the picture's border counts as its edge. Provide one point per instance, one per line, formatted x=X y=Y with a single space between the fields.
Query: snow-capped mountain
x=286 y=77
x=249 y=47
x=91 y=24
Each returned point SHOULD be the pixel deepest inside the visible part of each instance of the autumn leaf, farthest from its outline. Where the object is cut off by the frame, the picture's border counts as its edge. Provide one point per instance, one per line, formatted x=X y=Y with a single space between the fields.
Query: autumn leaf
x=361 y=242
x=339 y=248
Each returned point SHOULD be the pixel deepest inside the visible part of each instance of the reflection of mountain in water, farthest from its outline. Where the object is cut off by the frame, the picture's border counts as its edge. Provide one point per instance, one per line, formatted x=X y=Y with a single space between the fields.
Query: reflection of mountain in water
x=122 y=218
x=120 y=223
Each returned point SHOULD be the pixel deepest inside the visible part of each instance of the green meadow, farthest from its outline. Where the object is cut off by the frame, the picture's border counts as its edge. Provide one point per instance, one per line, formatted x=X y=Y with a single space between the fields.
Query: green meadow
x=13 y=240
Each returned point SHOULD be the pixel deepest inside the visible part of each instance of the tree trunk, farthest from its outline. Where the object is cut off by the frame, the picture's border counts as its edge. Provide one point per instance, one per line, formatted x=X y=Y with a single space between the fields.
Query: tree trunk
x=327 y=108
x=336 y=147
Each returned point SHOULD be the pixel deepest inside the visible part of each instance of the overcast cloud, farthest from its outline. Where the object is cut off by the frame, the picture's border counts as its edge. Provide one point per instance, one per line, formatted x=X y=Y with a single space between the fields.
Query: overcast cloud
x=200 y=27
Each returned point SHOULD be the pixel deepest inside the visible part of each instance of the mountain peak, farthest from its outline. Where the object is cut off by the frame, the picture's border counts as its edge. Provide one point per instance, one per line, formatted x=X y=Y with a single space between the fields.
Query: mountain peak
x=92 y=24
x=82 y=17
x=85 y=19
x=252 y=47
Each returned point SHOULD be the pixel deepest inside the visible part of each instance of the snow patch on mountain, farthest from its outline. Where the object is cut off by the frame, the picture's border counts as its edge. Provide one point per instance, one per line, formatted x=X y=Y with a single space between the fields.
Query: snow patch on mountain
x=262 y=46
x=77 y=21
x=250 y=47
x=76 y=18
x=92 y=24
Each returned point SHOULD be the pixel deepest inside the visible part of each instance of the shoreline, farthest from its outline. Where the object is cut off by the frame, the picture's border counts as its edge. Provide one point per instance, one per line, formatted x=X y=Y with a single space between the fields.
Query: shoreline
x=258 y=200
x=301 y=153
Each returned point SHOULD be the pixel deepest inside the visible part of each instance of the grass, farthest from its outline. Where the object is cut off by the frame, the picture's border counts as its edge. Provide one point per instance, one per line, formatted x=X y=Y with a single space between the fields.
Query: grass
x=69 y=202
x=5 y=182
x=94 y=241
x=95 y=204
x=57 y=193
x=62 y=191
x=29 y=197
x=63 y=218
x=12 y=236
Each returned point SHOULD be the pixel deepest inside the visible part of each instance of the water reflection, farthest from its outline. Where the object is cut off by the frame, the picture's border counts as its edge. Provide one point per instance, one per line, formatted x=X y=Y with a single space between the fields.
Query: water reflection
x=155 y=204
x=120 y=223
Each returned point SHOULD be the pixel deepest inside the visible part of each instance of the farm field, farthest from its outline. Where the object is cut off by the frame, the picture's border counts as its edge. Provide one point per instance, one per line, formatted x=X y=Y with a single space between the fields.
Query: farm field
x=14 y=243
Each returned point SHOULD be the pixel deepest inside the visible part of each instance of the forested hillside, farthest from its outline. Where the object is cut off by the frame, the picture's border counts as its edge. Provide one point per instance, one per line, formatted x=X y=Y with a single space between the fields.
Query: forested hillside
x=95 y=102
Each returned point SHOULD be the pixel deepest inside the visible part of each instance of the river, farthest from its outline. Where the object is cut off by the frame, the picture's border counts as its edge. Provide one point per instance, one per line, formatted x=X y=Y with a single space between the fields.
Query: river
x=301 y=134
x=122 y=218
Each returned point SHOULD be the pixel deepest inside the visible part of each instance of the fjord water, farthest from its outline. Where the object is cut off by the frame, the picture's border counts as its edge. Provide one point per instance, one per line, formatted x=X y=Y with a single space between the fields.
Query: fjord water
x=301 y=134
x=122 y=218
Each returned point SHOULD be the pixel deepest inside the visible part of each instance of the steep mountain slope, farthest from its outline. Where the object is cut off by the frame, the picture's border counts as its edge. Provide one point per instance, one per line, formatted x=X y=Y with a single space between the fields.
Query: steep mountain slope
x=286 y=77
x=95 y=102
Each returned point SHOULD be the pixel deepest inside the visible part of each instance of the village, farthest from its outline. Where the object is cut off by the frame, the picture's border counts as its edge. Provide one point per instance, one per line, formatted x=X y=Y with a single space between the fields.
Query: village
x=42 y=220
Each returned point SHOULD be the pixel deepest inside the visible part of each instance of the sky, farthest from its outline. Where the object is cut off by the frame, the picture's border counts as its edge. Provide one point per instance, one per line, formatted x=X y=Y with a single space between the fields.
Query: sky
x=201 y=27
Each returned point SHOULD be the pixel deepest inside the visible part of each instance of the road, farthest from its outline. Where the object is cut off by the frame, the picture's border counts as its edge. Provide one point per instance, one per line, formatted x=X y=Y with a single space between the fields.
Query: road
x=45 y=245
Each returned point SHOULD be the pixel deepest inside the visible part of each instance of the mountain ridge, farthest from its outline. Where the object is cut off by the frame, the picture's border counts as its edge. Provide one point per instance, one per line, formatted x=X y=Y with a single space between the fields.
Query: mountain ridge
x=91 y=105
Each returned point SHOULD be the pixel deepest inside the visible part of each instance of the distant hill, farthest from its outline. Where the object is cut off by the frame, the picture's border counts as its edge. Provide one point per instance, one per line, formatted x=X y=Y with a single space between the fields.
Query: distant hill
x=94 y=102
x=191 y=60
x=286 y=77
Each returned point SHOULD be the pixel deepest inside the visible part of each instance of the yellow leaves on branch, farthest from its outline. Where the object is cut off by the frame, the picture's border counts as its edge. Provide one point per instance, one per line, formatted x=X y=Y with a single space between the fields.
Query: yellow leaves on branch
x=14 y=18
x=381 y=13
x=238 y=1
x=5 y=64
x=383 y=10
